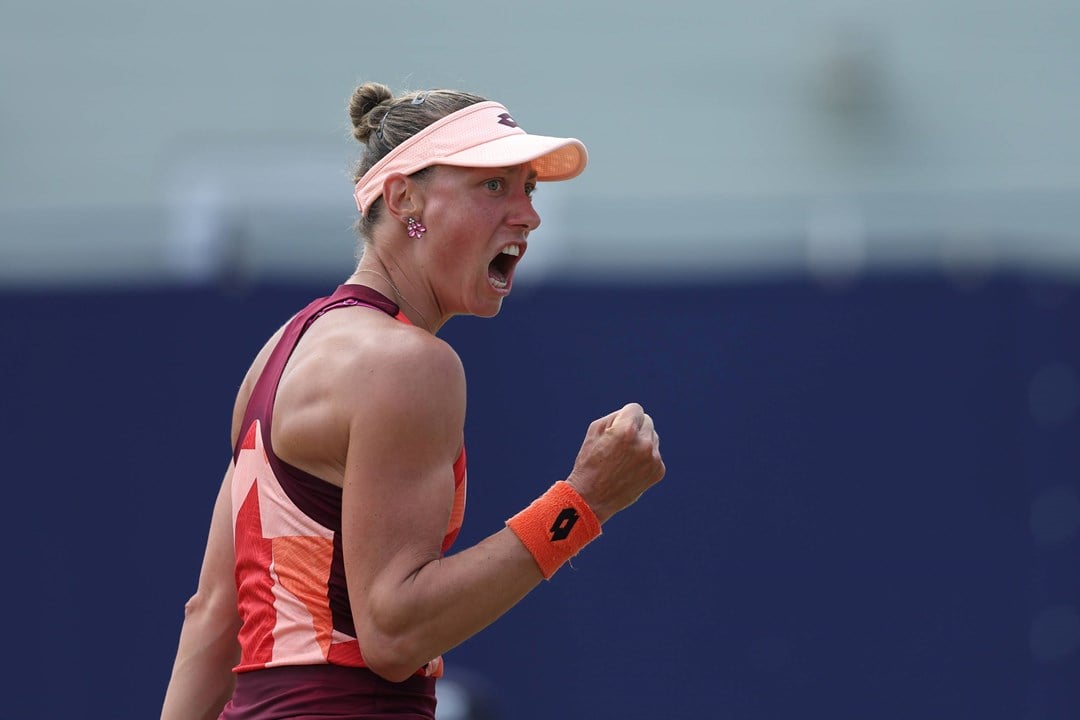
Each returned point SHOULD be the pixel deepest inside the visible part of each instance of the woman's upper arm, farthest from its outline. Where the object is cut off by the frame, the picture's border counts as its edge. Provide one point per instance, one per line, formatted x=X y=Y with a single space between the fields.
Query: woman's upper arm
x=218 y=569
x=216 y=576
x=405 y=431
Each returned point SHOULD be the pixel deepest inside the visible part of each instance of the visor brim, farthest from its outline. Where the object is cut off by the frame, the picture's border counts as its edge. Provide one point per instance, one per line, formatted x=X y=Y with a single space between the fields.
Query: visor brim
x=552 y=158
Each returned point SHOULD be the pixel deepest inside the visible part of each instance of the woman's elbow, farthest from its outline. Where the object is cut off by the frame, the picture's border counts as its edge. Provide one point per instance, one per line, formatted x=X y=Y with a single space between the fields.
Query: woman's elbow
x=391 y=658
x=215 y=613
x=394 y=673
x=205 y=602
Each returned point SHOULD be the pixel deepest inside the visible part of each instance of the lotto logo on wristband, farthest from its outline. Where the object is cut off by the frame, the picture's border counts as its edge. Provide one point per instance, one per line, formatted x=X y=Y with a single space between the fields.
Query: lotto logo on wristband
x=560 y=529
x=553 y=545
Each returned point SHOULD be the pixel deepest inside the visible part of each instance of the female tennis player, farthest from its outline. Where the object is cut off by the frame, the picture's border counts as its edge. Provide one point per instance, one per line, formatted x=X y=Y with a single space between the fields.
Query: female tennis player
x=327 y=587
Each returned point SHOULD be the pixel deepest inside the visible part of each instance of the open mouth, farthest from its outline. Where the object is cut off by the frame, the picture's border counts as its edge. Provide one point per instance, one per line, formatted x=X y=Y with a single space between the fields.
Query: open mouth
x=501 y=269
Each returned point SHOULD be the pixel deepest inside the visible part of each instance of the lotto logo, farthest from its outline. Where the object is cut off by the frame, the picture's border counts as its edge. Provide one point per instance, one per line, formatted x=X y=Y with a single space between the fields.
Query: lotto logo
x=564 y=523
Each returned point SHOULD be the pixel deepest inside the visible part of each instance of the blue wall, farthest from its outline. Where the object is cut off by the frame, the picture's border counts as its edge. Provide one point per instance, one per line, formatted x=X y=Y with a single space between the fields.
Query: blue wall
x=847 y=528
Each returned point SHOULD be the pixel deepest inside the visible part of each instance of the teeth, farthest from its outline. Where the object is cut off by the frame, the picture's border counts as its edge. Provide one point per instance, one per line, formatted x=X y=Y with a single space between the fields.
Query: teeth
x=514 y=250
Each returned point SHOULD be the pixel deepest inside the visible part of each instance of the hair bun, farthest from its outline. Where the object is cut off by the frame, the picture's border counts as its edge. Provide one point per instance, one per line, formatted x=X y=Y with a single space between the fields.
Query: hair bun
x=365 y=99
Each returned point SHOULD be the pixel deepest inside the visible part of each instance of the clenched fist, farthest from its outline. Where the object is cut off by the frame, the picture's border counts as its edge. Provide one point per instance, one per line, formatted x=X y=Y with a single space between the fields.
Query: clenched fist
x=618 y=461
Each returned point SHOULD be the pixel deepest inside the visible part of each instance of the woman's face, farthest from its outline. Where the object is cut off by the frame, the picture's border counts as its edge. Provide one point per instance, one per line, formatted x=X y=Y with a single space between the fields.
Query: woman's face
x=478 y=222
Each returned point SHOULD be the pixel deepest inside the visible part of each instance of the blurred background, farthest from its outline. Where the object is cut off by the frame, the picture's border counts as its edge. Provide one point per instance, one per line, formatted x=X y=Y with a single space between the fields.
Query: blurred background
x=833 y=248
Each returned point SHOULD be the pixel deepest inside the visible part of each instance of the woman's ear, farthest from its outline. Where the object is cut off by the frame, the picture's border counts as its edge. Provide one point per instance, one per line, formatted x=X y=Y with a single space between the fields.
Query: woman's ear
x=402 y=196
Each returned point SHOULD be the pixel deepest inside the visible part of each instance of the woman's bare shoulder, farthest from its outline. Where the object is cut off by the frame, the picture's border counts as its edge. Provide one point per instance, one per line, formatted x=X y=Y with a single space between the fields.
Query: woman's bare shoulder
x=396 y=359
x=359 y=372
x=243 y=395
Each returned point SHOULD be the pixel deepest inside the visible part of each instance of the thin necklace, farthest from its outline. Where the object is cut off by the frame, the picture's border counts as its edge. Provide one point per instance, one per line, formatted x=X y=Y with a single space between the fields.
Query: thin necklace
x=402 y=297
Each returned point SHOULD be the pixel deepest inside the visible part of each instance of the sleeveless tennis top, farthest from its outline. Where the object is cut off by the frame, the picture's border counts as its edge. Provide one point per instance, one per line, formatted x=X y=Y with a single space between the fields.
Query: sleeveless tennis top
x=290 y=574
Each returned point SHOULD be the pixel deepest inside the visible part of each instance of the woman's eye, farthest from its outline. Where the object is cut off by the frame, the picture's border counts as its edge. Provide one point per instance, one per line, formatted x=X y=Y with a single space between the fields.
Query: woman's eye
x=494 y=185
x=530 y=189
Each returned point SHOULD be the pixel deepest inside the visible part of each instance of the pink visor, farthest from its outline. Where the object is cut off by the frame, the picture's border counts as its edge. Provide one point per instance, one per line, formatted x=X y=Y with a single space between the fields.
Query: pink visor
x=480 y=135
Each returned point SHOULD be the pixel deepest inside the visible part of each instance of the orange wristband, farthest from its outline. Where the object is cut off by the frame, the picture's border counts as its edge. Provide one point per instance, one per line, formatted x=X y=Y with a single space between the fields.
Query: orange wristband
x=555 y=527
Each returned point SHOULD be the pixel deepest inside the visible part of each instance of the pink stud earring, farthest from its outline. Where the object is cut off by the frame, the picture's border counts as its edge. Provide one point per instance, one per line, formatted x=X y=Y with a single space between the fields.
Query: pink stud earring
x=414 y=227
